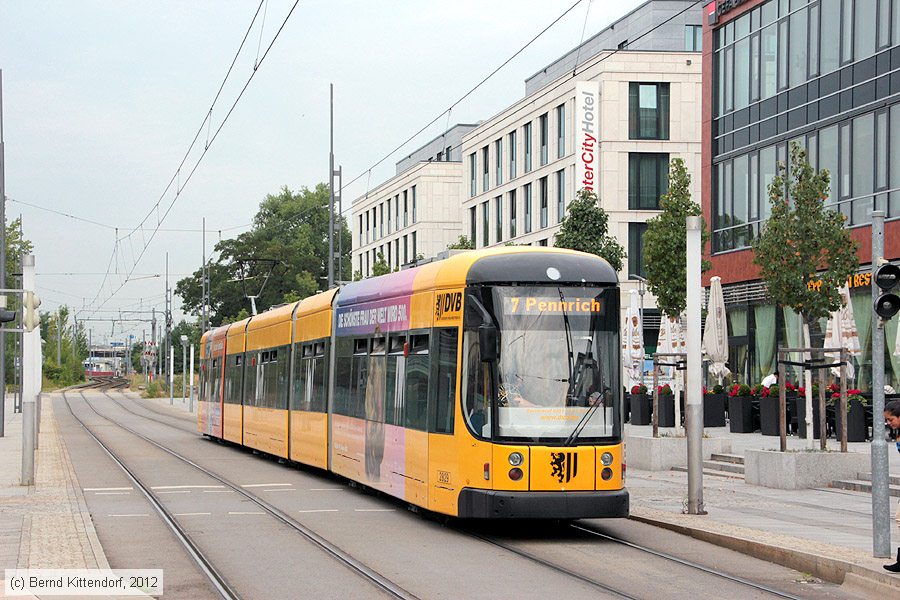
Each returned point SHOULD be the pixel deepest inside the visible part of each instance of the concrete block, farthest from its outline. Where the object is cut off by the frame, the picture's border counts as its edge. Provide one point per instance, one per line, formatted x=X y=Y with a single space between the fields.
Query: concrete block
x=801 y=469
x=661 y=454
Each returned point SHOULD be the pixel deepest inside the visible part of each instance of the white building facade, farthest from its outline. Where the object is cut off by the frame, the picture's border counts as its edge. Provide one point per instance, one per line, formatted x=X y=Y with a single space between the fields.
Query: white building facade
x=615 y=126
x=414 y=213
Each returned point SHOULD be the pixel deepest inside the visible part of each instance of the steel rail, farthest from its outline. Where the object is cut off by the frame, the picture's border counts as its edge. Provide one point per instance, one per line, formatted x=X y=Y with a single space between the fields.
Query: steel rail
x=340 y=555
x=687 y=563
x=217 y=580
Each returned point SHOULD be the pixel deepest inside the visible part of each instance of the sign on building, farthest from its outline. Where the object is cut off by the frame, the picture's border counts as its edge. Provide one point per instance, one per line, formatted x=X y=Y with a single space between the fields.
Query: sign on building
x=587 y=135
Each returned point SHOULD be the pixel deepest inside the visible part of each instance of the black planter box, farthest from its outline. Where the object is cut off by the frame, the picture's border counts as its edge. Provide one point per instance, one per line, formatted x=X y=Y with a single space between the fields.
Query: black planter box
x=857 y=425
x=714 y=410
x=641 y=407
x=791 y=411
x=768 y=416
x=800 y=406
x=666 y=411
x=740 y=414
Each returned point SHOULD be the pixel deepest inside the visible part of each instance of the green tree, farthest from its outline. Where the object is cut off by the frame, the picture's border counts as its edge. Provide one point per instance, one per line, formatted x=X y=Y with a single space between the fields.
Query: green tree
x=380 y=266
x=584 y=228
x=463 y=243
x=665 y=243
x=191 y=329
x=804 y=253
x=290 y=228
x=72 y=349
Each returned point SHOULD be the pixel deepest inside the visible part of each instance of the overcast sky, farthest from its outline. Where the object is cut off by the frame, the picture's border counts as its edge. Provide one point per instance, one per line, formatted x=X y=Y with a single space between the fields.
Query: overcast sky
x=101 y=101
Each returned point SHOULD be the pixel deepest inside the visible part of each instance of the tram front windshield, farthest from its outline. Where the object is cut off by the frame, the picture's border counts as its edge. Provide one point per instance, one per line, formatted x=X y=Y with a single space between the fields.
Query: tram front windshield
x=556 y=377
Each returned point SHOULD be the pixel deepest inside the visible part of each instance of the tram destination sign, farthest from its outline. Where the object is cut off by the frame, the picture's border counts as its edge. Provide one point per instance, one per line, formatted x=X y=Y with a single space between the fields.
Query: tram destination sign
x=546 y=305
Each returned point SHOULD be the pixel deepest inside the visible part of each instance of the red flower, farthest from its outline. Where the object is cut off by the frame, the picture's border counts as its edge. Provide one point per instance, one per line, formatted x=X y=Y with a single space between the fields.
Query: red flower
x=789 y=386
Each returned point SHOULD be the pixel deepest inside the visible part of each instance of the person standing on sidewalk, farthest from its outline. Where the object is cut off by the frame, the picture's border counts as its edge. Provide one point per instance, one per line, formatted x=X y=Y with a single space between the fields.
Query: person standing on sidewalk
x=892 y=420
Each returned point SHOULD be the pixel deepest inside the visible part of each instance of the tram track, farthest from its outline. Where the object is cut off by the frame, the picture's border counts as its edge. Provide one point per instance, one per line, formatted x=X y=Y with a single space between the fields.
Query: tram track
x=356 y=566
x=580 y=527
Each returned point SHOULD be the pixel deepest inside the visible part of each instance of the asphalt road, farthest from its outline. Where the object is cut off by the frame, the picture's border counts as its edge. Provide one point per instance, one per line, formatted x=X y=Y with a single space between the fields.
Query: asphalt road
x=428 y=557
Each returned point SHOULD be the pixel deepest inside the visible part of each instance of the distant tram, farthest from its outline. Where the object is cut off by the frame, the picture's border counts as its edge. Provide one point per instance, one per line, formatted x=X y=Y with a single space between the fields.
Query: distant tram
x=481 y=386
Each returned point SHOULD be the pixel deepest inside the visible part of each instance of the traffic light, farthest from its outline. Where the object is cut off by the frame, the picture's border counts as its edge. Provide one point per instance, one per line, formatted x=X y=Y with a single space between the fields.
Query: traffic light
x=7 y=315
x=32 y=318
x=887 y=304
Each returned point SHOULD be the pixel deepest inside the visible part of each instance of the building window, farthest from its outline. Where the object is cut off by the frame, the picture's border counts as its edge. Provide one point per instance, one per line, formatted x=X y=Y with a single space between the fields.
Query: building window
x=498 y=207
x=527 y=208
x=636 y=248
x=545 y=134
x=415 y=250
x=360 y=230
x=527 y=134
x=648 y=111
x=485 y=172
x=693 y=38
x=472 y=171
x=389 y=215
x=381 y=220
x=397 y=253
x=473 y=226
x=648 y=179
x=512 y=213
x=405 y=251
x=405 y=209
x=485 y=224
x=544 y=208
x=560 y=131
x=512 y=155
x=560 y=195
x=415 y=218
x=367 y=227
x=498 y=152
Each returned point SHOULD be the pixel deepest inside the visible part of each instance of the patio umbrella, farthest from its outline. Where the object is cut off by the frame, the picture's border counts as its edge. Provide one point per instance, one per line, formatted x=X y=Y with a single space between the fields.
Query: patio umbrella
x=715 y=338
x=671 y=340
x=633 y=343
x=841 y=332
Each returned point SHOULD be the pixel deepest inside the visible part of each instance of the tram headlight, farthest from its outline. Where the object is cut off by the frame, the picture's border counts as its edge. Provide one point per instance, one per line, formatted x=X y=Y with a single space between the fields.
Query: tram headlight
x=516 y=459
x=606 y=458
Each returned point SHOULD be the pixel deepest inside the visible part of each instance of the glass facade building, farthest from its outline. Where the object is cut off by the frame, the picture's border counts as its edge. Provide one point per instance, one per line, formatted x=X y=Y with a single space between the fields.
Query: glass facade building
x=826 y=75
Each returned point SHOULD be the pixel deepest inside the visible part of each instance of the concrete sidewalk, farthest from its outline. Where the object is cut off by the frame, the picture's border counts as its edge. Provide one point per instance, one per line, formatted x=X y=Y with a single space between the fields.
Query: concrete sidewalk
x=46 y=525
x=825 y=532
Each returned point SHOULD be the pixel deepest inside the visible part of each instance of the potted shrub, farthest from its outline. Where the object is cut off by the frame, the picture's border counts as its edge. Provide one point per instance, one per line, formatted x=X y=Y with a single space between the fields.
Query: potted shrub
x=714 y=407
x=857 y=427
x=640 y=405
x=768 y=411
x=666 y=402
x=740 y=409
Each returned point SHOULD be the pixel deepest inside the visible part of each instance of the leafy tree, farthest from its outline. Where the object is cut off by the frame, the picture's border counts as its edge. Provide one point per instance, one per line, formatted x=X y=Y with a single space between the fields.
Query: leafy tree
x=804 y=253
x=463 y=243
x=192 y=330
x=584 y=228
x=380 y=267
x=665 y=241
x=290 y=228
x=357 y=275
x=72 y=349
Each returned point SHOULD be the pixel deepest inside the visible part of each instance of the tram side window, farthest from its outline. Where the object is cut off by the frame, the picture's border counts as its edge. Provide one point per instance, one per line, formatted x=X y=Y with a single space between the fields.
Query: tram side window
x=233 y=378
x=359 y=376
x=374 y=387
x=216 y=378
x=299 y=398
x=282 y=369
x=475 y=405
x=204 y=375
x=445 y=380
x=343 y=369
x=417 y=367
x=318 y=393
x=251 y=375
x=395 y=374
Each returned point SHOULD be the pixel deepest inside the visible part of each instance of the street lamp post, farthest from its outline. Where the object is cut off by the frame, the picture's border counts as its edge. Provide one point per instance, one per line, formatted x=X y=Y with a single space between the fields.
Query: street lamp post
x=184 y=342
x=641 y=286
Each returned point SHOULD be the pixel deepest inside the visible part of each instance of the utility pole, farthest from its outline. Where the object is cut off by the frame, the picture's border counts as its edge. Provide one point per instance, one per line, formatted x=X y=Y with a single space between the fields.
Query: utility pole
x=205 y=285
x=881 y=517
x=693 y=399
x=153 y=340
x=59 y=336
x=2 y=269
x=169 y=355
x=191 y=388
x=31 y=343
x=331 y=187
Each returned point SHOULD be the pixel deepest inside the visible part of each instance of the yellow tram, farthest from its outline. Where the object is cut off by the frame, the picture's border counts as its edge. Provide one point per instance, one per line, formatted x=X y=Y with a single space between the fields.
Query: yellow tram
x=486 y=385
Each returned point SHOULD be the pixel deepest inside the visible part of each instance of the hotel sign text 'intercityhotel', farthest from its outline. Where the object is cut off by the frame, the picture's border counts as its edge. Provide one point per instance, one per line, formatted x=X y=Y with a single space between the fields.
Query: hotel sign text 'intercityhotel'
x=587 y=135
